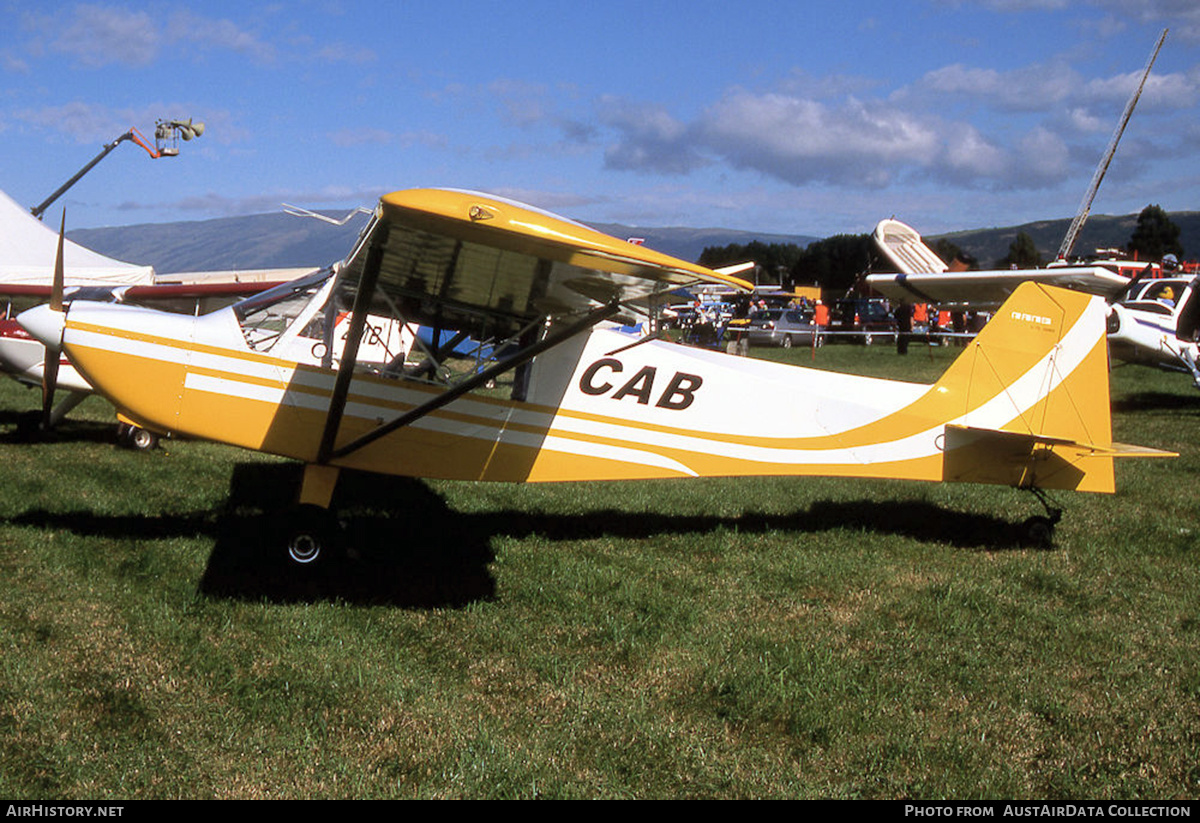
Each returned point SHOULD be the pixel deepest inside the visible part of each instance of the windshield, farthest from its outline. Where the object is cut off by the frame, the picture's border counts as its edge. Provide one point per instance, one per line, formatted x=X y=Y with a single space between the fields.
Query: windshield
x=267 y=315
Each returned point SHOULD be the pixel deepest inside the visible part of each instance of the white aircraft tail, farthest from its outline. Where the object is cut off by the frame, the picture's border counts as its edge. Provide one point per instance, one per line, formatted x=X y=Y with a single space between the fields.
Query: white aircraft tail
x=902 y=245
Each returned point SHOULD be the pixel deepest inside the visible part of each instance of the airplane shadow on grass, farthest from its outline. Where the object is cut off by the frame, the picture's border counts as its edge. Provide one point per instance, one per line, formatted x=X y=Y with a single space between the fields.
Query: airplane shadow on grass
x=23 y=427
x=1157 y=401
x=408 y=548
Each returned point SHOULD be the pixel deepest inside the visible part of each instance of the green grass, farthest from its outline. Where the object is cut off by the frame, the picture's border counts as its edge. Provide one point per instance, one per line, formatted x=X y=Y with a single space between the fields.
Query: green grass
x=714 y=638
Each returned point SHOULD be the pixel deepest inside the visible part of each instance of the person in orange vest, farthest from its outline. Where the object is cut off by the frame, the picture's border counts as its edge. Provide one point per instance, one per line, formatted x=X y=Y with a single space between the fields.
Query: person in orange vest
x=820 y=318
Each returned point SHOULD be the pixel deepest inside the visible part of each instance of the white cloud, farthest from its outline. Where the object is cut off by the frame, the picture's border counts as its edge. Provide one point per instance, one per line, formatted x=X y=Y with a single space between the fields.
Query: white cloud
x=650 y=139
x=12 y=63
x=98 y=36
x=969 y=157
x=1043 y=160
x=346 y=138
x=205 y=32
x=1031 y=88
x=83 y=122
x=346 y=53
x=801 y=140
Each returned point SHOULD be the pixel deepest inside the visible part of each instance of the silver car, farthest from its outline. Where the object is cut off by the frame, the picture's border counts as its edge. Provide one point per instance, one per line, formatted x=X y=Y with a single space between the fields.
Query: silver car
x=781 y=327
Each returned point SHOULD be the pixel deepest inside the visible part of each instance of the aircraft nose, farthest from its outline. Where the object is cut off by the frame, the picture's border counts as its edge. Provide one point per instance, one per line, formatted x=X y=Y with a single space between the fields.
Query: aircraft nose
x=45 y=324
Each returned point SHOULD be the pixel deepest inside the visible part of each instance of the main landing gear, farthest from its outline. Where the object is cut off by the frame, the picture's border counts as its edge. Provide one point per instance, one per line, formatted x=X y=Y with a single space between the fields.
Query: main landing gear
x=136 y=438
x=311 y=531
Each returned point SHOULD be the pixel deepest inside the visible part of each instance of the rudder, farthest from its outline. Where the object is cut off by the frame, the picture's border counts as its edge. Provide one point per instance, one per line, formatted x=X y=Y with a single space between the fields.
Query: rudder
x=1034 y=394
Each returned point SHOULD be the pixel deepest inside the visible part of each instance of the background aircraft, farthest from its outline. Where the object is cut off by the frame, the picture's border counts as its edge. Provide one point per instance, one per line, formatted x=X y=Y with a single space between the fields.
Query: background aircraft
x=1157 y=323
x=1153 y=320
x=922 y=276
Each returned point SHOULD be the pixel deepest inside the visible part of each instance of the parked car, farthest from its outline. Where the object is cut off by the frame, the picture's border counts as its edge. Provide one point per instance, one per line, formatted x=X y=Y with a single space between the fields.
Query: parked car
x=781 y=327
x=866 y=319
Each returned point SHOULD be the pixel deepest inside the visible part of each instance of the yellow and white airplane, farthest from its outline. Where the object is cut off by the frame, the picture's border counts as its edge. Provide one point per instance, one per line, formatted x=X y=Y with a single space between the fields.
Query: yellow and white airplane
x=1025 y=405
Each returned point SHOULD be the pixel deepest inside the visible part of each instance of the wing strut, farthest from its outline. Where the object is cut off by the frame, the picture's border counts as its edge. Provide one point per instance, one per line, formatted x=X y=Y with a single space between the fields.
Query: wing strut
x=524 y=356
x=358 y=320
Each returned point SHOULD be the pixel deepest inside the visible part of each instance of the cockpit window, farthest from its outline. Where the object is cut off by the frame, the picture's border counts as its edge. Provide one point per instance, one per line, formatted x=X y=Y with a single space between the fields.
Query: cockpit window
x=266 y=316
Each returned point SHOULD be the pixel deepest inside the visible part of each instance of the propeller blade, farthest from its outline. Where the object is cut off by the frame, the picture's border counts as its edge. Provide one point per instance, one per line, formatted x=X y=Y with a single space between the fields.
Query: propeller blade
x=53 y=354
x=56 y=288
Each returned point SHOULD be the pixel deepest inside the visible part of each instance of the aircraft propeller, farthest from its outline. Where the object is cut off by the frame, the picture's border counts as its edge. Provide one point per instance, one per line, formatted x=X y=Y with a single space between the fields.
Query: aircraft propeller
x=54 y=353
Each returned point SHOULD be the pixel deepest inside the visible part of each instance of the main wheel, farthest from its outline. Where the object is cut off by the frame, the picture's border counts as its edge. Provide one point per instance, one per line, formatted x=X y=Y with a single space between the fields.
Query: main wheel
x=310 y=539
x=141 y=440
x=787 y=341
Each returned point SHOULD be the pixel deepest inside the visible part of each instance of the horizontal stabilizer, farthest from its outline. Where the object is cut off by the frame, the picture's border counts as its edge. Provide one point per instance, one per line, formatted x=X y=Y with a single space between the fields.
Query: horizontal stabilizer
x=1129 y=450
x=1026 y=460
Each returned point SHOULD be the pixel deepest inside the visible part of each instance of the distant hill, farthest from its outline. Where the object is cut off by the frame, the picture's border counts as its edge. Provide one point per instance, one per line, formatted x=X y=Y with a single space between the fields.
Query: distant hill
x=1101 y=231
x=687 y=244
x=283 y=240
x=259 y=241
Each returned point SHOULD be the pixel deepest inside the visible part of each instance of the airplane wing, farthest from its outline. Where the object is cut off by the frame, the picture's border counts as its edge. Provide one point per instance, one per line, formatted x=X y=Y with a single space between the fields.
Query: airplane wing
x=474 y=254
x=924 y=278
x=988 y=289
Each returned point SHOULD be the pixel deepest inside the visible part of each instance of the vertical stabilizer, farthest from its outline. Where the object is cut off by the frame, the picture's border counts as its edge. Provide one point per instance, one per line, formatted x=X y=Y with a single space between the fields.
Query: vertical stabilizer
x=1033 y=396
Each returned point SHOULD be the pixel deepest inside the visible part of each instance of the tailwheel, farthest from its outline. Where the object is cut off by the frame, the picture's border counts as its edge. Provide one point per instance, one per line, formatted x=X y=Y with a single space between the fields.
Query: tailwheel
x=310 y=538
x=1038 y=532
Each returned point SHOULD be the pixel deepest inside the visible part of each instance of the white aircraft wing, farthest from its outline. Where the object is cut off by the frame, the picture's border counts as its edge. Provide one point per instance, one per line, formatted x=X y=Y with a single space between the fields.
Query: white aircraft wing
x=924 y=278
x=988 y=289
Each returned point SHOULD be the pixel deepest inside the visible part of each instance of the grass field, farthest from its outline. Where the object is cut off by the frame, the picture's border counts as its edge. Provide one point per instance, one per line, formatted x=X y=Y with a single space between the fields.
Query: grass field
x=752 y=638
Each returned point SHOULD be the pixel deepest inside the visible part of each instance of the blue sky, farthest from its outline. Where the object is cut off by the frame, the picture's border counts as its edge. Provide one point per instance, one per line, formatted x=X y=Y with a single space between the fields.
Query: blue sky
x=807 y=117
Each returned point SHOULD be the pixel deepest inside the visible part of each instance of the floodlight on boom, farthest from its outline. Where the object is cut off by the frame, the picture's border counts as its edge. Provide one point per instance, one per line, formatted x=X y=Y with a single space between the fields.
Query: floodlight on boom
x=166 y=135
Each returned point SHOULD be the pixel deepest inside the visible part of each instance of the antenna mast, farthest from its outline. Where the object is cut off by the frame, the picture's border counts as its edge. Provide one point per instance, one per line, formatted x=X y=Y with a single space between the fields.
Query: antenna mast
x=1085 y=207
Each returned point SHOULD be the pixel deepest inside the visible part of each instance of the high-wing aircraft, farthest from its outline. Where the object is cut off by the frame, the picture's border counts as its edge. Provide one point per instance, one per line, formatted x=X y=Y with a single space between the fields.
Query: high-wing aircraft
x=924 y=278
x=1025 y=405
x=1144 y=325
x=1158 y=324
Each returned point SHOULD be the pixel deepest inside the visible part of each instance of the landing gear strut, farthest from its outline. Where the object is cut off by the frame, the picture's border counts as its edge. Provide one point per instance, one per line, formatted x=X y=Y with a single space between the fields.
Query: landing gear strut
x=310 y=535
